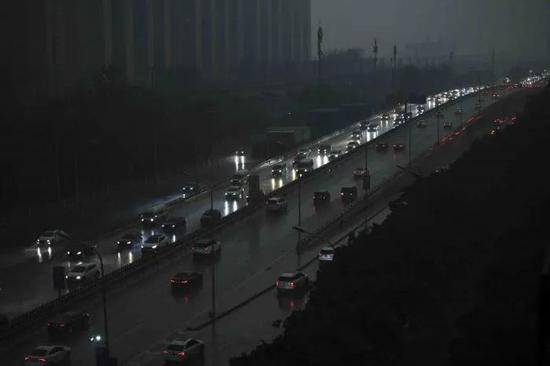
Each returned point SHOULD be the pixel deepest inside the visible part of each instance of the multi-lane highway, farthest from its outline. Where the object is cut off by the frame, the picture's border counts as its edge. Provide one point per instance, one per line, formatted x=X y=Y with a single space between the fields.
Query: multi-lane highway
x=33 y=277
x=144 y=313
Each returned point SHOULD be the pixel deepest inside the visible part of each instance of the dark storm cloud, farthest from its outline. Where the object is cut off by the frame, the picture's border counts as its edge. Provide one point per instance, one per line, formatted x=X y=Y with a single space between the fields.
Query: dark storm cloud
x=515 y=28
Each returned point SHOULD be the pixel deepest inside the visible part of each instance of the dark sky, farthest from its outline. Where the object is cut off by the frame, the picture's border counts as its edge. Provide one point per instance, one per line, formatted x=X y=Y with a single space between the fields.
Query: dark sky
x=516 y=28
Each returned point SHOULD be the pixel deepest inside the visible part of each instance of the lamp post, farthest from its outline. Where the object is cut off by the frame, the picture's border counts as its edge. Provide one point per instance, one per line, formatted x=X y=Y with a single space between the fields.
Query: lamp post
x=104 y=300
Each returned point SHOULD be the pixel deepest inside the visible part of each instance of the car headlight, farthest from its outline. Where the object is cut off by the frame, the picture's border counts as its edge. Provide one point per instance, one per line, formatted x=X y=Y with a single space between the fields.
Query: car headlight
x=66 y=277
x=78 y=253
x=128 y=242
x=152 y=220
x=68 y=253
x=142 y=247
x=154 y=246
x=78 y=277
x=48 y=241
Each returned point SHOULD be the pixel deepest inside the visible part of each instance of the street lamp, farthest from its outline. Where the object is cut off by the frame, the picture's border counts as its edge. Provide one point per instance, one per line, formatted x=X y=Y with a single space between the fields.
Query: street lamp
x=97 y=338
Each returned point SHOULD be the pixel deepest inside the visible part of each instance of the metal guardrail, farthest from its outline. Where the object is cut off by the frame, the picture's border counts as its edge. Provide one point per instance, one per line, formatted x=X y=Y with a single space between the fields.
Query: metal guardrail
x=28 y=319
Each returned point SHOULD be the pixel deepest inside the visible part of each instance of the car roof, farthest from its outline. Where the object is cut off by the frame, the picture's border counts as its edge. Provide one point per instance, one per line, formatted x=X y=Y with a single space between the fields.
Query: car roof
x=187 y=274
x=327 y=249
x=47 y=348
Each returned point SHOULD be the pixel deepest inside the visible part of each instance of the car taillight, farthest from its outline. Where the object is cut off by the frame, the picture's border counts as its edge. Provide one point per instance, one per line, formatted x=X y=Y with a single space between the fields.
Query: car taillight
x=181 y=354
x=184 y=281
x=27 y=358
x=291 y=284
x=277 y=284
x=173 y=281
x=42 y=360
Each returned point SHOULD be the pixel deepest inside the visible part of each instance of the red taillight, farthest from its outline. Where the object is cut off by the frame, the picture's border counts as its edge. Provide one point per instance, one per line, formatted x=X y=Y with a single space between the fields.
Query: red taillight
x=291 y=284
x=42 y=360
x=183 y=282
x=61 y=325
x=277 y=283
x=165 y=352
x=27 y=358
x=181 y=354
x=173 y=281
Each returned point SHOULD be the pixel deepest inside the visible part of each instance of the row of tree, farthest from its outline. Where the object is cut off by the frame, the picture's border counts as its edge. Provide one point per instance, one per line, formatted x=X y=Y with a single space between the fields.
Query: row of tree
x=451 y=278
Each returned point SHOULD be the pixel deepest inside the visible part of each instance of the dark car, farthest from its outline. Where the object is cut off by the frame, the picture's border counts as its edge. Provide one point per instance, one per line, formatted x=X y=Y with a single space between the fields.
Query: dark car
x=278 y=170
x=398 y=146
x=324 y=149
x=128 y=240
x=348 y=194
x=174 y=224
x=321 y=197
x=211 y=218
x=381 y=146
x=240 y=153
x=68 y=323
x=186 y=280
x=190 y=189
x=398 y=204
x=151 y=218
x=80 y=250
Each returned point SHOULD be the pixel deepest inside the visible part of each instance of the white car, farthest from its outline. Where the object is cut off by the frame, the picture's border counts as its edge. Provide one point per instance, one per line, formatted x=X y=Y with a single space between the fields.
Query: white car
x=154 y=243
x=181 y=351
x=83 y=272
x=360 y=172
x=49 y=355
x=51 y=237
x=277 y=204
x=206 y=247
x=294 y=281
x=326 y=254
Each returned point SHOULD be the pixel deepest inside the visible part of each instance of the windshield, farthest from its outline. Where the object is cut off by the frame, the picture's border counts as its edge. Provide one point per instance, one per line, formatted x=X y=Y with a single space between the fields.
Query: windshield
x=288 y=278
x=154 y=239
x=79 y=269
x=39 y=352
x=175 y=347
x=203 y=244
x=326 y=251
x=48 y=233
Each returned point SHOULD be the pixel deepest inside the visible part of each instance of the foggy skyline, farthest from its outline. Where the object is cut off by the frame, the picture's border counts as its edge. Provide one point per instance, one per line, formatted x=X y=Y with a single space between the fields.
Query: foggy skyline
x=516 y=29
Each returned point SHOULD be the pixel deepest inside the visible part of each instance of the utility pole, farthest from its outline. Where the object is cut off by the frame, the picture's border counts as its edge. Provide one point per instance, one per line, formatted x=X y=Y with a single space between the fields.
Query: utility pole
x=375 y=52
x=320 y=37
x=213 y=314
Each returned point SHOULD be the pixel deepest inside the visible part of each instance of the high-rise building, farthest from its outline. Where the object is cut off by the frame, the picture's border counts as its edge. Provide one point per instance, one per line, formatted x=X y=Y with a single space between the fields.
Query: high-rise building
x=55 y=43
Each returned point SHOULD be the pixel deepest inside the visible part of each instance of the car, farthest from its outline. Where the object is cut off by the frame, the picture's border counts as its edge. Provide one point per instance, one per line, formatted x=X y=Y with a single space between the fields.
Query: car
x=305 y=151
x=398 y=146
x=68 y=323
x=186 y=280
x=240 y=178
x=83 y=272
x=399 y=120
x=348 y=194
x=326 y=254
x=128 y=240
x=240 y=153
x=498 y=121
x=353 y=145
x=324 y=149
x=493 y=131
x=190 y=189
x=381 y=146
x=278 y=170
x=277 y=204
x=356 y=136
x=421 y=124
x=80 y=250
x=385 y=117
x=334 y=155
x=49 y=355
x=304 y=166
x=52 y=237
x=183 y=351
x=360 y=172
x=234 y=193
x=373 y=127
x=152 y=217
x=291 y=282
x=441 y=169
x=399 y=203
x=154 y=243
x=420 y=109
x=495 y=95
x=211 y=218
x=363 y=125
x=206 y=247
x=321 y=197
x=174 y=224
x=459 y=111
x=447 y=124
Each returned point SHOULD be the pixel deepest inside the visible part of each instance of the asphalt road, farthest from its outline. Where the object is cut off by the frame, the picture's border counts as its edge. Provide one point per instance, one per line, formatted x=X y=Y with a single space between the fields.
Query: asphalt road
x=144 y=313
